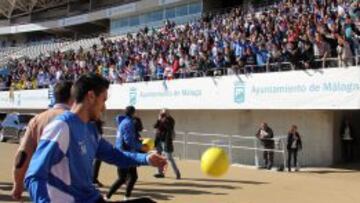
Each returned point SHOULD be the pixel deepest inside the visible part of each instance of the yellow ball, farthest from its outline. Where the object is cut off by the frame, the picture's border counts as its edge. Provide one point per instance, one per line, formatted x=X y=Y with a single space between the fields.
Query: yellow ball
x=214 y=162
x=149 y=142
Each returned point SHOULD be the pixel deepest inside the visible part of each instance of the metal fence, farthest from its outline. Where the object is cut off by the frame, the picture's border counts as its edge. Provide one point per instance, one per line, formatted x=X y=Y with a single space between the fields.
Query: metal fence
x=244 y=150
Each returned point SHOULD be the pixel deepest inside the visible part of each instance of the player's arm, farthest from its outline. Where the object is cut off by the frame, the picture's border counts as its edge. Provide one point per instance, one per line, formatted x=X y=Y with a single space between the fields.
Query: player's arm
x=22 y=160
x=51 y=150
x=109 y=154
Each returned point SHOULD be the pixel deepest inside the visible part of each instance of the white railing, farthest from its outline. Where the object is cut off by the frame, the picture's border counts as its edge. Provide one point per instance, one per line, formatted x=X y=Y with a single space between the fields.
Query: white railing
x=226 y=141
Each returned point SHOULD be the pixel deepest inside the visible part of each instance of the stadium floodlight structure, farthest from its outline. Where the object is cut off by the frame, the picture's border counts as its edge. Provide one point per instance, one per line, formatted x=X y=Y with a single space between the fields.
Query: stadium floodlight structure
x=11 y=8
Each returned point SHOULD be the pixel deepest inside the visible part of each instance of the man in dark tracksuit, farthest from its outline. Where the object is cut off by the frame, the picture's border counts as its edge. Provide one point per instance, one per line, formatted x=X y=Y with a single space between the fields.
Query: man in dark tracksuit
x=127 y=140
x=265 y=134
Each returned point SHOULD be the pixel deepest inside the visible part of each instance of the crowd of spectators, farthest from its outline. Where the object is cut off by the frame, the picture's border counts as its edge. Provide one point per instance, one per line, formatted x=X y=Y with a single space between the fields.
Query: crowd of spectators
x=304 y=34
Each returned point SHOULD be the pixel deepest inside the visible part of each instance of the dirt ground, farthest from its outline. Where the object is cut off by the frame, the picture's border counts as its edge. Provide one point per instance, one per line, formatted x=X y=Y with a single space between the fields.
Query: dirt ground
x=245 y=185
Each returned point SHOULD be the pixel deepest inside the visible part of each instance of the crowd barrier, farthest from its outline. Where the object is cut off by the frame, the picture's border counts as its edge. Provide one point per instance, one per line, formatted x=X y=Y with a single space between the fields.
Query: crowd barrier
x=187 y=140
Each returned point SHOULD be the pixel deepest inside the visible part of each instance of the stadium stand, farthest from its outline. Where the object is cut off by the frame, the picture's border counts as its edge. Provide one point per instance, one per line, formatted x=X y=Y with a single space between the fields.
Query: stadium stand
x=285 y=36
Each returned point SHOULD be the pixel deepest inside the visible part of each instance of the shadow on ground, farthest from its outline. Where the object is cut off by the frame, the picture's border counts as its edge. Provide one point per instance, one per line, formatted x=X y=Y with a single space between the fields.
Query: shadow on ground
x=190 y=184
x=139 y=193
x=328 y=171
x=226 y=181
x=167 y=191
x=338 y=168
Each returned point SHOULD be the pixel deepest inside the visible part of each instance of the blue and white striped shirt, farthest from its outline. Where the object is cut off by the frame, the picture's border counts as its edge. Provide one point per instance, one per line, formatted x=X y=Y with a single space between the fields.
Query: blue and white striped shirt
x=61 y=167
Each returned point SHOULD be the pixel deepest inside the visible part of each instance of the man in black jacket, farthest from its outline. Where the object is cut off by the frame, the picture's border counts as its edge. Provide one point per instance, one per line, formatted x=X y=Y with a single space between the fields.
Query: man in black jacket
x=294 y=144
x=265 y=134
x=347 y=140
x=165 y=134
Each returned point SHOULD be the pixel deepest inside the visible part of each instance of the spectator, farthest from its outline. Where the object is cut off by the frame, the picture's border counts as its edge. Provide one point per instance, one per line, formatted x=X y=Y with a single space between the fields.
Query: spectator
x=262 y=57
x=2 y=84
x=351 y=33
x=321 y=50
x=276 y=57
x=218 y=41
x=265 y=135
x=344 y=53
x=293 y=55
x=165 y=134
x=308 y=55
x=294 y=144
x=347 y=140
x=176 y=66
x=249 y=60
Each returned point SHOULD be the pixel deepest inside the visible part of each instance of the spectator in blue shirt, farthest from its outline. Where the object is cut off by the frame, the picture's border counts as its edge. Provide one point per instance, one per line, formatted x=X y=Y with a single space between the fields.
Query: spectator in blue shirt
x=139 y=71
x=239 y=49
x=262 y=57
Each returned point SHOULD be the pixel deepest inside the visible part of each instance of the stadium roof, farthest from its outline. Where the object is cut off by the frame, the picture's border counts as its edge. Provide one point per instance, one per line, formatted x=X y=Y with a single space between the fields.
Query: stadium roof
x=9 y=8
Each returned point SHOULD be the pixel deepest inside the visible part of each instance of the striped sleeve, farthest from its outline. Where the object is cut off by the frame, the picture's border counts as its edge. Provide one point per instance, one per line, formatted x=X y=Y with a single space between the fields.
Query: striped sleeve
x=49 y=154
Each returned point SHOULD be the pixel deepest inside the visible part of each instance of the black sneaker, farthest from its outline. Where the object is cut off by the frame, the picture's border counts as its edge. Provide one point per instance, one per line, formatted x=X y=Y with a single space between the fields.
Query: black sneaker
x=178 y=177
x=159 y=175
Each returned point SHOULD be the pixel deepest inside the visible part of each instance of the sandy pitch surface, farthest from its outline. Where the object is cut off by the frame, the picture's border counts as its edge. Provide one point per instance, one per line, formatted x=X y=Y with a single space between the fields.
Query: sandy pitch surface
x=321 y=185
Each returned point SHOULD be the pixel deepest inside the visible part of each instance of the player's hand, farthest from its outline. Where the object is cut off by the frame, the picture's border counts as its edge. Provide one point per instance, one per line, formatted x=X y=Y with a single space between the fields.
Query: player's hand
x=145 y=148
x=16 y=192
x=157 y=160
